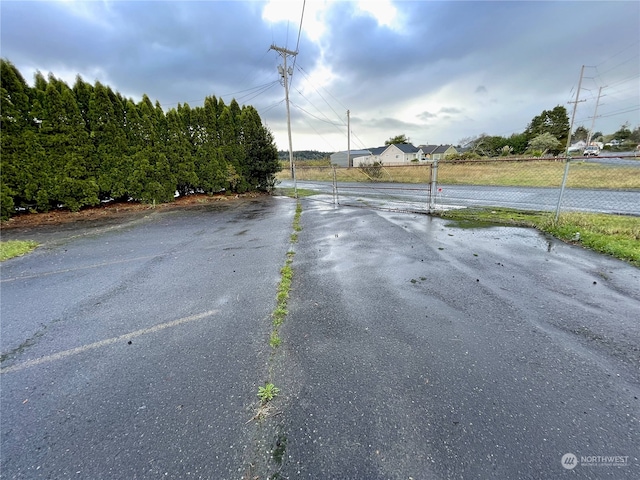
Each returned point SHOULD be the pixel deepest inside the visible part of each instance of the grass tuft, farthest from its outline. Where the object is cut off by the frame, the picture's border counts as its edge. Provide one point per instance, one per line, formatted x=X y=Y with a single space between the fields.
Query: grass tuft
x=291 y=192
x=15 y=248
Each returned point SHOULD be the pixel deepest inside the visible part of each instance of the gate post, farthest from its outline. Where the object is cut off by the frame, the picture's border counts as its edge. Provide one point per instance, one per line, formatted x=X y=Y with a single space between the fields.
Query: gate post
x=434 y=186
x=335 y=187
x=295 y=182
x=562 y=187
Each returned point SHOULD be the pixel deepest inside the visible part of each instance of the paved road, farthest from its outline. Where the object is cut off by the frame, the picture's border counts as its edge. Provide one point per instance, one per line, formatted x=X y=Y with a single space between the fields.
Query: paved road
x=406 y=196
x=413 y=349
x=152 y=340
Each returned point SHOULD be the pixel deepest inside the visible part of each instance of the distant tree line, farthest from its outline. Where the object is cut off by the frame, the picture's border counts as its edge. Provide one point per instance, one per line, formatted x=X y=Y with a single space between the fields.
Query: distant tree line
x=303 y=155
x=546 y=133
x=77 y=146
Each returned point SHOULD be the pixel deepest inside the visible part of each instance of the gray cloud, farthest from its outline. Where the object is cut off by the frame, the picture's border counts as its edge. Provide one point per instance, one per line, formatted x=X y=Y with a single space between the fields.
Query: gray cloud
x=442 y=55
x=426 y=116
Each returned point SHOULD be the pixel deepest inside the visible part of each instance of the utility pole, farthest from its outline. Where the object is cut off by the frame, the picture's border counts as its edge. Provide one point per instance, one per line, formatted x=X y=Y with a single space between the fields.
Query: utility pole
x=349 y=161
x=286 y=72
x=575 y=107
x=595 y=114
x=566 y=165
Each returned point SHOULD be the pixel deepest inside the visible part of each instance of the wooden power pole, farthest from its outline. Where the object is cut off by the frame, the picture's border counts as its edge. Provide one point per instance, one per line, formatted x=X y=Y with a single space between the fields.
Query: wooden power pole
x=286 y=72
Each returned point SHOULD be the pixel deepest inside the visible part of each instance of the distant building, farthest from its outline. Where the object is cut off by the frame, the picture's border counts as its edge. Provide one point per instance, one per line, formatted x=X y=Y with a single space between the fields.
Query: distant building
x=341 y=159
x=394 y=154
x=400 y=154
x=437 y=152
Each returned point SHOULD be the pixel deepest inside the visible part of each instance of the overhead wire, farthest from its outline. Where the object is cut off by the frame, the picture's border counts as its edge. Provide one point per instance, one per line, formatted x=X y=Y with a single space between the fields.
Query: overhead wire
x=258 y=93
x=308 y=78
x=272 y=106
x=319 y=134
x=312 y=115
x=298 y=41
x=328 y=120
x=635 y=44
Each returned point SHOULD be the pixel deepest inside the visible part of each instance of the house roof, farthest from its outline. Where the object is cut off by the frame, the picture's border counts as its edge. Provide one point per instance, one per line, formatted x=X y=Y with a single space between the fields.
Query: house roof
x=428 y=149
x=442 y=148
x=377 y=150
x=431 y=149
x=353 y=152
x=406 y=147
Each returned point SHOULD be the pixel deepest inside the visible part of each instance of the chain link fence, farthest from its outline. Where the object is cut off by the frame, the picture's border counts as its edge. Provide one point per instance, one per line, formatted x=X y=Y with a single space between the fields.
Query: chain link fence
x=603 y=184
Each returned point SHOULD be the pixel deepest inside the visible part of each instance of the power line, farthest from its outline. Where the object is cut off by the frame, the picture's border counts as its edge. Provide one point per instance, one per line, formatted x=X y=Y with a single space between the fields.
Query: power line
x=257 y=94
x=299 y=32
x=328 y=119
x=318 y=92
x=272 y=106
x=264 y=86
x=307 y=77
x=319 y=134
x=619 y=53
x=300 y=29
x=317 y=118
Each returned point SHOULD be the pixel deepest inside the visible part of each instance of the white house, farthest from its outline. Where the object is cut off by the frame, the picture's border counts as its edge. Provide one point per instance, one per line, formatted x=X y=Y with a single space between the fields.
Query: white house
x=394 y=154
x=400 y=154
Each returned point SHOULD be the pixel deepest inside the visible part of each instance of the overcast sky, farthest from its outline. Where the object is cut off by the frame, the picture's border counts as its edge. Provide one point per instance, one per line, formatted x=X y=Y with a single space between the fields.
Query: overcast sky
x=437 y=72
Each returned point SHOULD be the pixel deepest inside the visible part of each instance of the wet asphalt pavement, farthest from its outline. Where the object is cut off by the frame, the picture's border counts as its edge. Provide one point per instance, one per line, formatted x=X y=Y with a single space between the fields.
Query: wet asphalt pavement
x=415 y=349
x=412 y=349
x=154 y=340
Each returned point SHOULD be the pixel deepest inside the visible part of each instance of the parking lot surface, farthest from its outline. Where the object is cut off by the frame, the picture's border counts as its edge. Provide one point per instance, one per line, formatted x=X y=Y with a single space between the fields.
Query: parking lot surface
x=151 y=340
x=413 y=348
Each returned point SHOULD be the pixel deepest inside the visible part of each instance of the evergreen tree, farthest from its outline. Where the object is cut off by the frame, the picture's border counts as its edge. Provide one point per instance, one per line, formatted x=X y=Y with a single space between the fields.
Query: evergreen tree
x=73 y=146
x=261 y=154
x=67 y=142
x=151 y=179
x=209 y=163
x=180 y=149
x=231 y=148
x=14 y=100
x=580 y=133
x=555 y=122
x=111 y=165
x=518 y=142
x=14 y=121
x=83 y=92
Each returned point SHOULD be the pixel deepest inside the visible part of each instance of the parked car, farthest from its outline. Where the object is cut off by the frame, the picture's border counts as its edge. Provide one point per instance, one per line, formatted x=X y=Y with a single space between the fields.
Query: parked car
x=591 y=150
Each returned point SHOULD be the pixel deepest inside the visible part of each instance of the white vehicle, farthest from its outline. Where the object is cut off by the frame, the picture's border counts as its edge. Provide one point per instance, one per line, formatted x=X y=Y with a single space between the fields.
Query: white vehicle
x=591 y=150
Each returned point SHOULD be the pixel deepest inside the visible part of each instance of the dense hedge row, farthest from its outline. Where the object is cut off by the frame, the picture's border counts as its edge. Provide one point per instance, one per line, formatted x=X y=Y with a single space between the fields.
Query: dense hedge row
x=77 y=146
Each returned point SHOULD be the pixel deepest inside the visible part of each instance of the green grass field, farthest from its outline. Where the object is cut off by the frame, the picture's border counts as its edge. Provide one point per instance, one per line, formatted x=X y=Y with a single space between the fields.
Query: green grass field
x=531 y=173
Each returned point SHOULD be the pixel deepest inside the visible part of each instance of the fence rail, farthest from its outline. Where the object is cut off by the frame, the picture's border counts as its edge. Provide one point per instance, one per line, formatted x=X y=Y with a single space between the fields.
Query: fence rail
x=609 y=185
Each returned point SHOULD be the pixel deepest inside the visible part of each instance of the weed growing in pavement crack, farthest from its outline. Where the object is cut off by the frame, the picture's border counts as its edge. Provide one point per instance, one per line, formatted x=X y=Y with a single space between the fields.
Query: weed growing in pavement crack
x=274 y=339
x=296 y=224
x=268 y=392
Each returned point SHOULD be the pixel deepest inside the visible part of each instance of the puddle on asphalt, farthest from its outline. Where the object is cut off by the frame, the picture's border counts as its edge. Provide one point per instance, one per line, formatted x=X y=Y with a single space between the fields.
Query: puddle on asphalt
x=467 y=224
